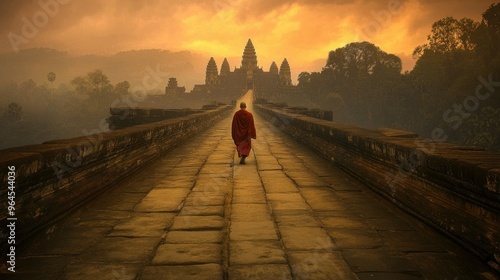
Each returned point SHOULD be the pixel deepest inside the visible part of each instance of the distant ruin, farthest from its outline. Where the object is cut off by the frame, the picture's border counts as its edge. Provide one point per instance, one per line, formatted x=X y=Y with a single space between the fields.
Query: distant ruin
x=228 y=85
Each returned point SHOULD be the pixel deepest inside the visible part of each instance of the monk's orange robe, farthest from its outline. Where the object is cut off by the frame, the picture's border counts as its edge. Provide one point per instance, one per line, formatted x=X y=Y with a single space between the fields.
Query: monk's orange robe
x=243 y=129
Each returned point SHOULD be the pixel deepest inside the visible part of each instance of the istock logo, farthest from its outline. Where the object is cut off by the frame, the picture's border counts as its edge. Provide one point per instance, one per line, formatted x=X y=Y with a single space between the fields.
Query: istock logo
x=31 y=27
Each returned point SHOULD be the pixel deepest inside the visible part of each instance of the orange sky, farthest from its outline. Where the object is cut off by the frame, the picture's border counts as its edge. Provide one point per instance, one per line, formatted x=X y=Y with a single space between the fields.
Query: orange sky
x=300 y=30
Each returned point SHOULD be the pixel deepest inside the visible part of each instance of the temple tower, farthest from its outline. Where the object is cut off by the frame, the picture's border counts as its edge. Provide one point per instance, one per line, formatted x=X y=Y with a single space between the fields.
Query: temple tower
x=249 y=63
x=274 y=69
x=224 y=69
x=249 y=59
x=285 y=73
x=212 y=76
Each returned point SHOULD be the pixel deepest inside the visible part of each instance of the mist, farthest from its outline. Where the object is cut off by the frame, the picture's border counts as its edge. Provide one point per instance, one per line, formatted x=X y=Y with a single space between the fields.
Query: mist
x=142 y=46
x=34 y=109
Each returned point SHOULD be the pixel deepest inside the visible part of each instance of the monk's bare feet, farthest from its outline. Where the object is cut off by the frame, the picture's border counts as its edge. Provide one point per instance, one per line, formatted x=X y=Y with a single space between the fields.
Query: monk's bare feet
x=242 y=160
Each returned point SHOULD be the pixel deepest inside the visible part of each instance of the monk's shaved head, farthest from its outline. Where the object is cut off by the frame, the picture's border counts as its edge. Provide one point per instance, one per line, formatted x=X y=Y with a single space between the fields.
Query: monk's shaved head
x=243 y=105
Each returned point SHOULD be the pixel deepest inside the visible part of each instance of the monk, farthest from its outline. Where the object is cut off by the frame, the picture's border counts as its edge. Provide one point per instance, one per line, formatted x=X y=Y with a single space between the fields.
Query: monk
x=243 y=129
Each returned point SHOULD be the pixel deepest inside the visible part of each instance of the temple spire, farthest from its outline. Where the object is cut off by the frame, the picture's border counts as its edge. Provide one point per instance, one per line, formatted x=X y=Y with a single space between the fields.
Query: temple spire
x=225 y=69
x=249 y=59
x=212 y=75
x=274 y=69
x=285 y=73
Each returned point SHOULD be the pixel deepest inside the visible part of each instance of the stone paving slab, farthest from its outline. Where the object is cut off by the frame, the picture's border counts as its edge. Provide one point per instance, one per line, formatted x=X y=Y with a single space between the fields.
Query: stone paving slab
x=197 y=223
x=298 y=220
x=286 y=214
x=323 y=199
x=287 y=201
x=261 y=230
x=124 y=201
x=343 y=222
x=184 y=171
x=305 y=238
x=260 y=272
x=120 y=249
x=205 y=199
x=250 y=213
x=183 y=272
x=253 y=196
x=198 y=253
x=212 y=185
x=174 y=181
x=256 y=252
x=277 y=182
x=162 y=200
x=202 y=210
x=102 y=271
x=194 y=237
x=381 y=260
x=347 y=238
x=320 y=264
x=143 y=224
x=216 y=169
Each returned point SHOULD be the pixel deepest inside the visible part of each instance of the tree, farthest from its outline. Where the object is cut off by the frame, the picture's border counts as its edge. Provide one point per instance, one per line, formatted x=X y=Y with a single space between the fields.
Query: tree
x=122 y=87
x=360 y=60
x=94 y=85
x=304 y=79
x=449 y=34
x=51 y=77
x=488 y=39
x=14 y=112
x=28 y=86
x=361 y=72
x=98 y=82
x=483 y=129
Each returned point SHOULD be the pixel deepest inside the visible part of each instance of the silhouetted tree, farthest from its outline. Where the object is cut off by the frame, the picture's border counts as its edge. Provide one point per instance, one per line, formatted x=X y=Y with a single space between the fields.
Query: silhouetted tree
x=51 y=77
x=122 y=87
x=483 y=129
x=448 y=35
x=304 y=79
x=28 y=86
x=359 y=71
x=94 y=85
x=14 y=112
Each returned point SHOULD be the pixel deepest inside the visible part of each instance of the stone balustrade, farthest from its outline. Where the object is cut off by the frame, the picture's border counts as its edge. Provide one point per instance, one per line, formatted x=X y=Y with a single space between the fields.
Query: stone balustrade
x=126 y=117
x=59 y=175
x=452 y=188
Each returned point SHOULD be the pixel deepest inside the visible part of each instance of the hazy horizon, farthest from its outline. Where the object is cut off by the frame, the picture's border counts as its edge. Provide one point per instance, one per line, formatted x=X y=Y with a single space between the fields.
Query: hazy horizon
x=301 y=31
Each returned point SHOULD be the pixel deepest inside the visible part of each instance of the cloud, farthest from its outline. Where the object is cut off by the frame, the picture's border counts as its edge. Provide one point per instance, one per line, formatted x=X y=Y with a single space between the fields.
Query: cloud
x=301 y=30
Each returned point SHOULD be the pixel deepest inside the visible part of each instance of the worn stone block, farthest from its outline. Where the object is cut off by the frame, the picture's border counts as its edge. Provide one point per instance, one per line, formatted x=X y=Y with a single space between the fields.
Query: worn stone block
x=194 y=237
x=121 y=249
x=249 y=213
x=256 y=252
x=305 y=238
x=183 y=272
x=175 y=254
x=320 y=264
x=260 y=272
x=197 y=223
x=260 y=230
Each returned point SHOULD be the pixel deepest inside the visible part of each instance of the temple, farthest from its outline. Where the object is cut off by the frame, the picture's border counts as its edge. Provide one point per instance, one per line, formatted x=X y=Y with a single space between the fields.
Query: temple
x=249 y=75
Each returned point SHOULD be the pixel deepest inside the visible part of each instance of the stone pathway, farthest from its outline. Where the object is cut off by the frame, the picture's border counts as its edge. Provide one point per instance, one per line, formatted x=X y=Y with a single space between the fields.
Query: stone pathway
x=286 y=214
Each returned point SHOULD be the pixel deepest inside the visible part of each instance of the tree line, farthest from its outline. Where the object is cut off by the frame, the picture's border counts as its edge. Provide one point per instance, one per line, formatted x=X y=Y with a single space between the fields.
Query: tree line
x=31 y=113
x=453 y=90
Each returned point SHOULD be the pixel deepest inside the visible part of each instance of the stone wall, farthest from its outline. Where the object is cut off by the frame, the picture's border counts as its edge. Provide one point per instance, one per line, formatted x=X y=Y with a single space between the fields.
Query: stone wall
x=59 y=175
x=454 y=189
x=127 y=117
x=315 y=113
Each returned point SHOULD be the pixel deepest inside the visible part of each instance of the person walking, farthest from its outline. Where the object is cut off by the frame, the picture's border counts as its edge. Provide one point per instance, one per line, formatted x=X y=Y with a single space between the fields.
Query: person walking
x=243 y=130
